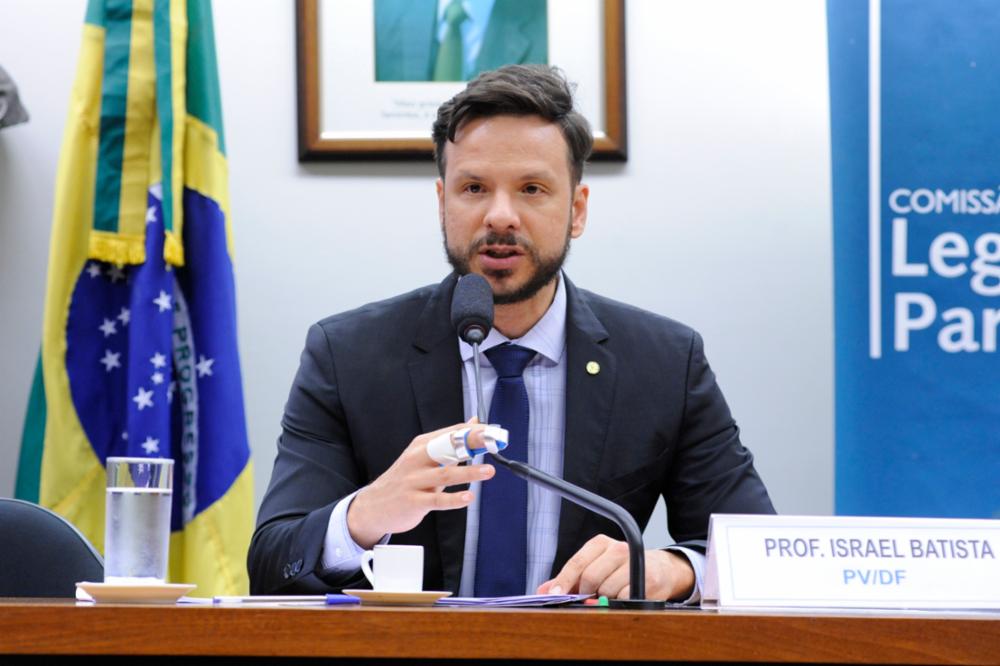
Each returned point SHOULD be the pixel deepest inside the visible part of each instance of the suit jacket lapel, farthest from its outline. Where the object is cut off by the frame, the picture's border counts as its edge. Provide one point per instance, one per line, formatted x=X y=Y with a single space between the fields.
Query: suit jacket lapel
x=589 y=397
x=436 y=380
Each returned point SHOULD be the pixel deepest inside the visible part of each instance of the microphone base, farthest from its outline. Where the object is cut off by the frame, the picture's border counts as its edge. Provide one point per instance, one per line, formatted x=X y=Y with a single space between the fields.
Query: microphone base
x=637 y=604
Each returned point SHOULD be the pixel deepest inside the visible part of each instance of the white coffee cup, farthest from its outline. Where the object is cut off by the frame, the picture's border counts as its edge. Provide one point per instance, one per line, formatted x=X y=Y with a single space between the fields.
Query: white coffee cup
x=397 y=568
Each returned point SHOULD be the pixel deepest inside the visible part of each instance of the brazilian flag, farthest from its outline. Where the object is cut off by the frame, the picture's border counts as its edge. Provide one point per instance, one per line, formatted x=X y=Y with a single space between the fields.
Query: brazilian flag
x=138 y=353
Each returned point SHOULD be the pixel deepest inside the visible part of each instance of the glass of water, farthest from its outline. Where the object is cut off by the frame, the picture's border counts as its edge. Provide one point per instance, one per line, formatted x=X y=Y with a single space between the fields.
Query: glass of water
x=137 y=520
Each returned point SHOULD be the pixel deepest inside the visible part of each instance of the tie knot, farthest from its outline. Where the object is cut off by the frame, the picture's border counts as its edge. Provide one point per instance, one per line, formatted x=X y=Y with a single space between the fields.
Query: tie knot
x=509 y=360
x=454 y=13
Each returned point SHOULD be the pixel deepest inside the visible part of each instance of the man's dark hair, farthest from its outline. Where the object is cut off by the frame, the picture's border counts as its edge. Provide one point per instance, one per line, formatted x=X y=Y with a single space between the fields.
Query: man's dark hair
x=517 y=90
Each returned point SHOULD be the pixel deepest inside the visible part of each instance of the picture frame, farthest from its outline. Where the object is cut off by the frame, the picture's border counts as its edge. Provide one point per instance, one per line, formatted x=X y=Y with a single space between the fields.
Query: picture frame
x=345 y=114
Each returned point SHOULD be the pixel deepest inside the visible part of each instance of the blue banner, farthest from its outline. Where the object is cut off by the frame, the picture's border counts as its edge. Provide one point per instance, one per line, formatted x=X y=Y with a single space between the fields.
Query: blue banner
x=915 y=122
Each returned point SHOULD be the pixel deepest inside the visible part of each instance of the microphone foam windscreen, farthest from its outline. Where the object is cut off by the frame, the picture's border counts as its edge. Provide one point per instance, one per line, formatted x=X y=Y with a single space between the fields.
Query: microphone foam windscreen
x=472 y=305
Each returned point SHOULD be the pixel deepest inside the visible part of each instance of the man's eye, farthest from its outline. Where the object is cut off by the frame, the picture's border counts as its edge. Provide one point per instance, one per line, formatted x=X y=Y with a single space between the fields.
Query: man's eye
x=532 y=189
x=473 y=188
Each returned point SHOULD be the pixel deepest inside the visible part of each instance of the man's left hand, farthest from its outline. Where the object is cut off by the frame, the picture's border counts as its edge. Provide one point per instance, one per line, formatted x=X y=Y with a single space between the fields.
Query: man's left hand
x=601 y=567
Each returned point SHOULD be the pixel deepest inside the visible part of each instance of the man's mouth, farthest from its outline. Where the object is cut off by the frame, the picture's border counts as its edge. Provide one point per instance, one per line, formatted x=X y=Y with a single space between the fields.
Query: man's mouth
x=500 y=252
x=499 y=260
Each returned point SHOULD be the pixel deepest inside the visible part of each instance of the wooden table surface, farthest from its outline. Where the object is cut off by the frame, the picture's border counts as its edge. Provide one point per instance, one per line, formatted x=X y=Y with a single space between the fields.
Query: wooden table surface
x=67 y=628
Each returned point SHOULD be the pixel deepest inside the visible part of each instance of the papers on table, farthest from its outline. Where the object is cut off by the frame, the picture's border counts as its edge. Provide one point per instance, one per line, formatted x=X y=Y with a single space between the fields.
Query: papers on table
x=527 y=601
x=524 y=601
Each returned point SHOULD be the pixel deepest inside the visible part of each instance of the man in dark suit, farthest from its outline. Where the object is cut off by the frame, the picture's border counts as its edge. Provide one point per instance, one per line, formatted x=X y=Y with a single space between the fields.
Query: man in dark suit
x=619 y=401
x=412 y=37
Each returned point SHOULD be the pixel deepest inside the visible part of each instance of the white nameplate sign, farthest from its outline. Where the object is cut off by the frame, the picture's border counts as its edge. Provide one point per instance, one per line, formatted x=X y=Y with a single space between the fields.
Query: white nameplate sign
x=848 y=562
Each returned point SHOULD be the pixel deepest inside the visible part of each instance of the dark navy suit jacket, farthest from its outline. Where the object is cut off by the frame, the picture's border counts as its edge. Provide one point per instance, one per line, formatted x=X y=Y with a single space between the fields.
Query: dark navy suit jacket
x=652 y=422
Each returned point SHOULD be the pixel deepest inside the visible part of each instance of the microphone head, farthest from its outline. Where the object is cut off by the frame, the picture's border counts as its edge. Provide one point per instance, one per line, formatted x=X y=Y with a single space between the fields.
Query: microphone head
x=472 y=308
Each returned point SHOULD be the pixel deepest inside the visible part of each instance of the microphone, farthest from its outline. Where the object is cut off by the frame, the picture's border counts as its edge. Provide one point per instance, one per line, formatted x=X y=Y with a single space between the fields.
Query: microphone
x=472 y=317
x=472 y=308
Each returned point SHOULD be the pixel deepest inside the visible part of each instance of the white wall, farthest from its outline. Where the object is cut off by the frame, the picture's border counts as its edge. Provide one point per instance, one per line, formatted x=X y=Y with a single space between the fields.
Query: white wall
x=720 y=218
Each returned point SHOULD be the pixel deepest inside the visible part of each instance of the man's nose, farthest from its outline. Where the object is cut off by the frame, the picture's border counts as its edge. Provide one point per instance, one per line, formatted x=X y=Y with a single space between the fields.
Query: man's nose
x=501 y=214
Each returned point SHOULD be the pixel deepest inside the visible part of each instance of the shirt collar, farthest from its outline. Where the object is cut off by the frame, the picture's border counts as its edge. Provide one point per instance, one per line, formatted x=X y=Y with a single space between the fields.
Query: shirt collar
x=547 y=336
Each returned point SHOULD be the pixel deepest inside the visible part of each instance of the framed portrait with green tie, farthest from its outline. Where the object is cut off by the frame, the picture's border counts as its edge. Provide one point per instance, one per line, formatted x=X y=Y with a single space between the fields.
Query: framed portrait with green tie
x=372 y=73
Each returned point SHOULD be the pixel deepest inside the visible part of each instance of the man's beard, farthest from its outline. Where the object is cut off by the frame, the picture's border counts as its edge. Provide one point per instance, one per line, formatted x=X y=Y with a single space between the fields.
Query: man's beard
x=545 y=268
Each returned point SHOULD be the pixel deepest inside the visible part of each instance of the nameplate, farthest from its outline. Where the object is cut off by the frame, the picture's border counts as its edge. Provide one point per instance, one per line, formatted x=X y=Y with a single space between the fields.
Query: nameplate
x=850 y=562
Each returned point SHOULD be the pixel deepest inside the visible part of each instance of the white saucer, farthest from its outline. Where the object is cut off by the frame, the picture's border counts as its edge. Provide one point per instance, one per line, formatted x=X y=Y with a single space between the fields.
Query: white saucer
x=164 y=593
x=374 y=598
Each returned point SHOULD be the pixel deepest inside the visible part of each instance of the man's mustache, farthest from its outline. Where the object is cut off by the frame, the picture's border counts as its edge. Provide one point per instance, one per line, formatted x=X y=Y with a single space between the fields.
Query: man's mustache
x=494 y=238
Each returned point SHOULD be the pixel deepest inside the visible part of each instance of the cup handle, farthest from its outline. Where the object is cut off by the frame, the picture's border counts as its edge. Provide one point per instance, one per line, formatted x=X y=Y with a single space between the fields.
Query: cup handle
x=366 y=566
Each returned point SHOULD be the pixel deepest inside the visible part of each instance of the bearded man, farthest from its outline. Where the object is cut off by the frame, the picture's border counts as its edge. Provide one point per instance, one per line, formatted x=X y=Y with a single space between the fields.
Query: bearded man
x=618 y=400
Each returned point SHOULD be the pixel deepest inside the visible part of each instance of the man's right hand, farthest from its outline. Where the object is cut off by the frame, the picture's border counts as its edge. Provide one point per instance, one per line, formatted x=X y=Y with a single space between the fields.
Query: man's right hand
x=411 y=488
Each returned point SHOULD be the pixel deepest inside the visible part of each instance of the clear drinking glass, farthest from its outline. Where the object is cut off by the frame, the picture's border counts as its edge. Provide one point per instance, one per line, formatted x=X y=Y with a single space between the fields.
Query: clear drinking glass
x=137 y=520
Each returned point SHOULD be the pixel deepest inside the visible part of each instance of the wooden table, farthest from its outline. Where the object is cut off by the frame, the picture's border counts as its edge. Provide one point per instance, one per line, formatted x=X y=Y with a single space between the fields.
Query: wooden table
x=57 y=627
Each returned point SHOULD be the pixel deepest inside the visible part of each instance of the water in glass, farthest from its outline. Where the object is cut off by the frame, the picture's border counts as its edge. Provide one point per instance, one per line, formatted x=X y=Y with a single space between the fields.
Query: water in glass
x=137 y=535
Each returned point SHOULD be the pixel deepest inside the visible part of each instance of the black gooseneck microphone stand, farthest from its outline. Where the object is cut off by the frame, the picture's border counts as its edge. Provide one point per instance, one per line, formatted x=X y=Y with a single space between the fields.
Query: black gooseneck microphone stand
x=577 y=495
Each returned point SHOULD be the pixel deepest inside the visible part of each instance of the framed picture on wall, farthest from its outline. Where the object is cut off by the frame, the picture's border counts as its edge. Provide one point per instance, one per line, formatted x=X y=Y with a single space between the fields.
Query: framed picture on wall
x=372 y=73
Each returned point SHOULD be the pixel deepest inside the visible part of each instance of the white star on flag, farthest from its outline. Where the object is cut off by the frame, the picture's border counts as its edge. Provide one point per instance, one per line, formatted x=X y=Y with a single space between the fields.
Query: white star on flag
x=108 y=328
x=170 y=392
x=163 y=301
x=93 y=270
x=158 y=360
x=151 y=215
x=204 y=366
x=151 y=446
x=125 y=316
x=110 y=360
x=124 y=435
x=116 y=273
x=157 y=377
x=143 y=399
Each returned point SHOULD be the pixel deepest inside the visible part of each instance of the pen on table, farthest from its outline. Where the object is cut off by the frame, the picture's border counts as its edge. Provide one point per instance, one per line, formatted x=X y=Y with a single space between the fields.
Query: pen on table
x=328 y=599
x=336 y=599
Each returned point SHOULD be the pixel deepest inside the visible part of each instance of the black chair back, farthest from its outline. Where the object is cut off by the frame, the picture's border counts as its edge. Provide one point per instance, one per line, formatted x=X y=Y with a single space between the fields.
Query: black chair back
x=41 y=553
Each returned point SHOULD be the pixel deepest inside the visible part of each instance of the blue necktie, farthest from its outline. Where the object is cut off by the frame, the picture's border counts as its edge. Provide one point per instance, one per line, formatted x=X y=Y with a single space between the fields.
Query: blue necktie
x=501 y=557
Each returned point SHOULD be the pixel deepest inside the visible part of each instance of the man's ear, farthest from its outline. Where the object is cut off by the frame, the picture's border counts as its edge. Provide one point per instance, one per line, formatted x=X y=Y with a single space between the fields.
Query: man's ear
x=578 y=216
x=439 y=186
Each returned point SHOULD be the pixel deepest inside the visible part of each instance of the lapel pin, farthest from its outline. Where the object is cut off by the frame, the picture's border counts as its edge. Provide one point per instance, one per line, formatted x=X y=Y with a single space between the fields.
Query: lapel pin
x=593 y=367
